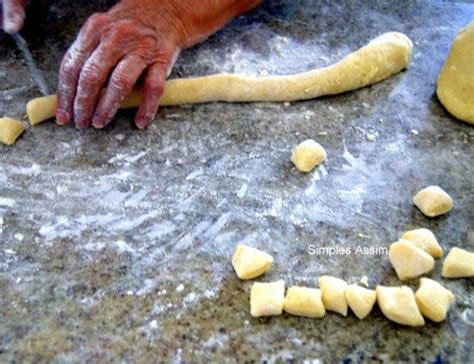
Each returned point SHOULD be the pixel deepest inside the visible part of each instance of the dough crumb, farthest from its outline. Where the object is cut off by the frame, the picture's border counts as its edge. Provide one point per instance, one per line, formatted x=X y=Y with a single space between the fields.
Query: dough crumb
x=10 y=130
x=425 y=240
x=250 y=263
x=408 y=260
x=307 y=155
x=304 y=301
x=361 y=300
x=333 y=293
x=433 y=299
x=267 y=299
x=433 y=201
x=399 y=305
x=458 y=263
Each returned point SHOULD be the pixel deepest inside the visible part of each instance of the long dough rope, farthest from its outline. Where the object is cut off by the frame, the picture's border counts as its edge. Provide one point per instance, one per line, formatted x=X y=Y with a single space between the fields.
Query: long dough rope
x=383 y=57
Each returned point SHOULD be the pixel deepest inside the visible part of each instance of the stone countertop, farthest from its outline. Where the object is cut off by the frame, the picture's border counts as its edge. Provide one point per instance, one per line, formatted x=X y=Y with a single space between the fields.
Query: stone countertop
x=116 y=243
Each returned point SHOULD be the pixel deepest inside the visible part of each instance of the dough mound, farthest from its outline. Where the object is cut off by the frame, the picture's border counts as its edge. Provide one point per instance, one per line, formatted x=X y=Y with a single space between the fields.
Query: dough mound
x=456 y=80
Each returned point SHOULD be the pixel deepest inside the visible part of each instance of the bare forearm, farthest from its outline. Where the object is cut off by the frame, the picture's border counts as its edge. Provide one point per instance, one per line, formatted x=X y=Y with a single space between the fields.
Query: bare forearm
x=203 y=18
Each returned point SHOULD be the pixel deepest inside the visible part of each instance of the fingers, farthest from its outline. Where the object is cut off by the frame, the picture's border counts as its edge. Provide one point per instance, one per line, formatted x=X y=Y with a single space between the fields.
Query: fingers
x=153 y=88
x=72 y=64
x=13 y=15
x=92 y=78
x=120 y=85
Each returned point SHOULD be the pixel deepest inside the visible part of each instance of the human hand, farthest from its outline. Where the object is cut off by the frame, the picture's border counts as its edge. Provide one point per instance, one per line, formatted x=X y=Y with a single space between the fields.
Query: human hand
x=136 y=38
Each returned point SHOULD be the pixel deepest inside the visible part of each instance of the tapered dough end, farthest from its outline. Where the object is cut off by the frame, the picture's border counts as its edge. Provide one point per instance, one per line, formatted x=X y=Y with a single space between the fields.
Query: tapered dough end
x=399 y=40
x=458 y=263
x=398 y=304
x=41 y=109
x=10 y=130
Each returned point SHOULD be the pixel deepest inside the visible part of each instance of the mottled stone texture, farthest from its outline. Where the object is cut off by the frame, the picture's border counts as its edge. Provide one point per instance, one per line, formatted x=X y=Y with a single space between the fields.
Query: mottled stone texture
x=116 y=244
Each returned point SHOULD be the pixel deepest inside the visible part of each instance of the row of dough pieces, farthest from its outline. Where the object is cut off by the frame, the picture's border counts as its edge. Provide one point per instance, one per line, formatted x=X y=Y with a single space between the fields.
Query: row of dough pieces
x=399 y=304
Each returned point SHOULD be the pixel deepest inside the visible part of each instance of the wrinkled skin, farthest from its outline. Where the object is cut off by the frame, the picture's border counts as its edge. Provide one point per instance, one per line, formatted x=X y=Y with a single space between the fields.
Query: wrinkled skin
x=12 y=15
x=135 y=39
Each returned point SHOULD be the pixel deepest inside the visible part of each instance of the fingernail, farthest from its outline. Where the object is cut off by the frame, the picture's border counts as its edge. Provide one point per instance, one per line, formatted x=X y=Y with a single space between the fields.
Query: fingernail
x=81 y=124
x=62 y=117
x=142 y=123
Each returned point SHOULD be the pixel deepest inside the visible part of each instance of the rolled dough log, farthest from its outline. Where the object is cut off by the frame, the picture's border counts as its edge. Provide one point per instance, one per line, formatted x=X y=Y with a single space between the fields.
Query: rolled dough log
x=10 y=130
x=383 y=57
x=456 y=81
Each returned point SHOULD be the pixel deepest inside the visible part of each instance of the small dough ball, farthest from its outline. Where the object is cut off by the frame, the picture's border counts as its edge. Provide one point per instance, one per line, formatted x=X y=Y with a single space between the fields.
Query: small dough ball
x=456 y=81
x=267 y=299
x=425 y=240
x=399 y=305
x=408 y=260
x=433 y=201
x=307 y=155
x=333 y=292
x=361 y=300
x=433 y=299
x=458 y=263
x=249 y=262
x=10 y=130
x=304 y=301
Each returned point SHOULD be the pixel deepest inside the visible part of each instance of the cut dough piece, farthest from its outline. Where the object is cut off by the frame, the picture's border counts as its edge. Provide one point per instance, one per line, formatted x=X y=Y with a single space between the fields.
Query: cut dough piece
x=456 y=81
x=458 y=263
x=333 y=292
x=250 y=263
x=433 y=201
x=381 y=58
x=307 y=155
x=267 y=299
x=304 y=301
x=10 y=130
x=398 y=304
x=361 y=300
x=408 y=260
x=424 y=239
x=433 y=299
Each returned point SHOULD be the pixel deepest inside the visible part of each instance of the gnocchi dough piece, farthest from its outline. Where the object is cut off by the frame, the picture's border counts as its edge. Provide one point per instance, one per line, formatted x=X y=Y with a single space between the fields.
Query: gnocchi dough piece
x=433 y=299
x=304 y=301
x=399 y=305
x=381 y=58
x=10 y=130
x=433 y=201
x=458 y=263
x=361 y=300
x=456 y=81
x=333 y=293
x=267 y=299
x=307 y=155
x=408 y=260
x=250 y=263
x=425 y=240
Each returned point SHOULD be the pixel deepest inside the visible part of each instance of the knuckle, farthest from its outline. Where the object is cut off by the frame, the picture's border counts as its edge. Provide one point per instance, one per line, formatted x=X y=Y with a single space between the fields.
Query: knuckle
x=95 y=21
x=121 y=81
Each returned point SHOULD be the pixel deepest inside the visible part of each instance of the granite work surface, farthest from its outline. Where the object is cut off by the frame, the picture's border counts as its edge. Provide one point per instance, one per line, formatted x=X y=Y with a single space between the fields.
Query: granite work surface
x=116 y=244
